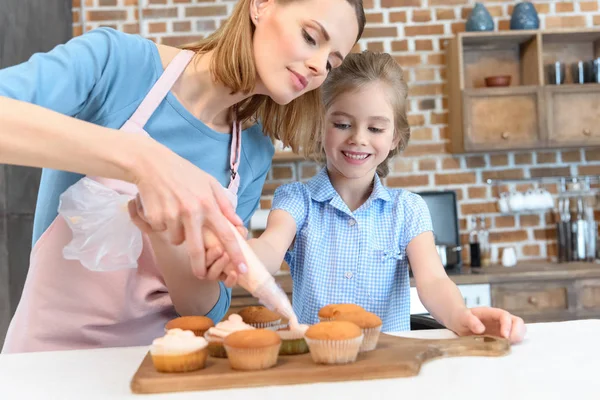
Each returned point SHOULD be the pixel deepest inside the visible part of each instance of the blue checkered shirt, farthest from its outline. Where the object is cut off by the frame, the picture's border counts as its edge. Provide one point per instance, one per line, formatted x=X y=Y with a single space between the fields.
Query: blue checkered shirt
x=359 y=257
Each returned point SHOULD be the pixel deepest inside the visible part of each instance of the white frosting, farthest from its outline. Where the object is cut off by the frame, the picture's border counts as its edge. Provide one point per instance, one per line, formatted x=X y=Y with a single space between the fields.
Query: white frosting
x=233 y=324
x=178 y=341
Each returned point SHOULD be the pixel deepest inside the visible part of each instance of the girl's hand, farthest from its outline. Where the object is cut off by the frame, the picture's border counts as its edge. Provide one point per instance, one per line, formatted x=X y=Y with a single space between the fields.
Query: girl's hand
x=177 y=197
x=489 y=321
x=217 y=261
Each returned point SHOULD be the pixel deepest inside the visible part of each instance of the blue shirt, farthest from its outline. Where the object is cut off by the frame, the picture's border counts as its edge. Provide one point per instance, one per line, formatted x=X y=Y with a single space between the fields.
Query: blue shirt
x=359 y=257
x=102 y=77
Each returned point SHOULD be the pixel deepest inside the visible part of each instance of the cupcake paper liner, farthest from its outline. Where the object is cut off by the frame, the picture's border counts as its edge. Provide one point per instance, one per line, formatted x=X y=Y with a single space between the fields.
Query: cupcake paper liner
x=253 y=359
x=371 y=336
x=215 y=346
x=273 y=326
x=180 y=362
x=334 y=351
x=292 y=347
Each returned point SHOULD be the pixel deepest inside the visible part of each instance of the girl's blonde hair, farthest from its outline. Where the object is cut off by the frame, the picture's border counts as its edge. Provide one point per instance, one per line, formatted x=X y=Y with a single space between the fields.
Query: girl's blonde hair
x=233 y=65
x=358 y=70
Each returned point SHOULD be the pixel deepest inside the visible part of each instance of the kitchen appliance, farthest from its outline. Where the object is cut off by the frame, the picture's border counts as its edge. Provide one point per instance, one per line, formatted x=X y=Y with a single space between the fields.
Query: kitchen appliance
x=444 y=217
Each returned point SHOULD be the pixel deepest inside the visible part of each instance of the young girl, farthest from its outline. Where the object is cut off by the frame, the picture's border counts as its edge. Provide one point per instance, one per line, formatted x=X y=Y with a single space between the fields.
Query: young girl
x=349 y=239
x=112 y=105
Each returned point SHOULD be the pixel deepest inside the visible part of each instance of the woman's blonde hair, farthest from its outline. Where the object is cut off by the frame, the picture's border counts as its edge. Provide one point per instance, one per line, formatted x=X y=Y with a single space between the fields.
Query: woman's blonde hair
x=358 y=70
x=233 y=65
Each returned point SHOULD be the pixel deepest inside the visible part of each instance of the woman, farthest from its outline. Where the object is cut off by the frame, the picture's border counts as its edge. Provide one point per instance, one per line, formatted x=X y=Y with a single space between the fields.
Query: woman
x=61 y=111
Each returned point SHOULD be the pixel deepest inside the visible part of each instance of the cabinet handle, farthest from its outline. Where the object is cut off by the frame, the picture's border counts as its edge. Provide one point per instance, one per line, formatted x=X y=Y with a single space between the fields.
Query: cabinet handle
x=505 y=135
x=533 y=300
x=587 y=132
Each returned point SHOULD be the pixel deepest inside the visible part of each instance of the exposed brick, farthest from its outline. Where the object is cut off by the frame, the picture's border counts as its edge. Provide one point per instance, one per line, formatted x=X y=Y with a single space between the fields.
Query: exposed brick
x=423 y=30
x=106 y=15
x=282 y=172
x=209 y=11
x=402 y=164
x=380 y=31
x=455 y=178
x=399 y=16
x=427 y=104
x=545 y=234
x=531 y=250
x=408 y=181
x=157 y=27
x=435 y=3
x=422 y=134
x=478 y=208
x=421 y=15
x=180 y=40
x=502 y=174
x=439 y=118
x=152 y=2
x=573 y=21
x=422 y=149
x=541 y=8
x=436 y=59
x=107 y=3
x=182 y=26
x=408 y=60
x=564 y=7
x=427 y=164
x=423 y=45
x=416 y=120
x=375 y=46
x=529 y=220
x=546 y=158
x=308 y=171
x=131 y=28
x=523 y=158
x=475 y=162
x=504 y=221
x=477 y=192
x=571 y=156
x=423 y=74
x=589 y=170
x=508 y=236
x=445 y=14
x=450 y=163
x=587 y=6
x=400 y=45
x=159 y=12
x=400 y=3
x=426 y=90
x=269 y=188
x=374 y=18
x=592 y=154
x=498 y=160
x=558 y=171
x=265 y=204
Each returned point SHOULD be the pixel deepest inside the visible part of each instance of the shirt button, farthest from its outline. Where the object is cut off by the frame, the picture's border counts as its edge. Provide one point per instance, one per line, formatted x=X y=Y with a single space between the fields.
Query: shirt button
x=351 y=222
x=349 y=275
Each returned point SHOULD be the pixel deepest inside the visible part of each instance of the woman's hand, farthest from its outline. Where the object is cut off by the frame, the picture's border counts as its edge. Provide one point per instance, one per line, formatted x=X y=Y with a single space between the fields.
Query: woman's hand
x=217 y=260
x=489 y=321
x=177 y=197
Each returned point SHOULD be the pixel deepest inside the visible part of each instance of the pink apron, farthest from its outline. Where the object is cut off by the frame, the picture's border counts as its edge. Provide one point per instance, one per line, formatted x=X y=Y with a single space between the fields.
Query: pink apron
x=66 y=306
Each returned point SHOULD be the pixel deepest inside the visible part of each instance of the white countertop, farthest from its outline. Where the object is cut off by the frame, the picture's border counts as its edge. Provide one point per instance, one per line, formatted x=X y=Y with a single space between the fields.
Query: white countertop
x=556 y=361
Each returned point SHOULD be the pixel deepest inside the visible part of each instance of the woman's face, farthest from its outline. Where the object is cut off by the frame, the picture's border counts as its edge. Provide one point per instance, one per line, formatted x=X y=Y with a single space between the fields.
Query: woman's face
x=297 y=43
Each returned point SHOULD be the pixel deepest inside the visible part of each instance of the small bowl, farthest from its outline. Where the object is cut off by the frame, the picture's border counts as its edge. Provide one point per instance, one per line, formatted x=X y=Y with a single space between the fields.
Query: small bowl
x=497 y=81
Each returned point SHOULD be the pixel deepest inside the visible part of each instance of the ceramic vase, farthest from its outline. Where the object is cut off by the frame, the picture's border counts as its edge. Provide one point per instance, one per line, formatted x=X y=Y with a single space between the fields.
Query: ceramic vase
x=480 y=19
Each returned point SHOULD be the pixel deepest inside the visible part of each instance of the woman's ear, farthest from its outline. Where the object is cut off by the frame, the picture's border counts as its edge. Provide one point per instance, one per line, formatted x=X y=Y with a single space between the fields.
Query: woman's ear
x=257 y=8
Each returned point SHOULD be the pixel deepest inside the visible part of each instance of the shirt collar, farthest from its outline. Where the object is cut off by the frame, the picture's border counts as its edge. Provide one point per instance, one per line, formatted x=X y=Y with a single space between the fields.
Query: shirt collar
x=321 y=189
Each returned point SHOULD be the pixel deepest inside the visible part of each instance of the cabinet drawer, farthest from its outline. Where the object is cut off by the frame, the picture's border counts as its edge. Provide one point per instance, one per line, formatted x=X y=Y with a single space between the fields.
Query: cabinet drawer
x=497 y=120
x=573 y=115
x=531 y=297
x=588 y=293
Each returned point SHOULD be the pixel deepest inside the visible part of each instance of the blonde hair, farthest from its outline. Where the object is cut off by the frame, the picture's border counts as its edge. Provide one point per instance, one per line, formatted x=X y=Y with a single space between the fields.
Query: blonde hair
x=358 y=70
x=233 y=65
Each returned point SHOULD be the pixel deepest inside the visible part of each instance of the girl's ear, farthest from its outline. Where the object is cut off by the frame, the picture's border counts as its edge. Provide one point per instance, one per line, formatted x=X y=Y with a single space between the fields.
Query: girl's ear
x=396 y=141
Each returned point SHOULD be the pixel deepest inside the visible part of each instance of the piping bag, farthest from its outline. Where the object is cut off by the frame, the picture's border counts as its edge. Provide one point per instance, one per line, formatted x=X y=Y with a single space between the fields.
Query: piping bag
x=257 y=280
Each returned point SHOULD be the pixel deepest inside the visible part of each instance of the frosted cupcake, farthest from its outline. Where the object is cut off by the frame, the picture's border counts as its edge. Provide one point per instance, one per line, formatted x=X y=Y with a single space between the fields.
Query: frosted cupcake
x=292 y=340
x=217 y=334
x=369 y=323
x=260 y=317
x=334 y=342
x=195 y=323
x=326 y=313
x=252 y=350
x=179 y=351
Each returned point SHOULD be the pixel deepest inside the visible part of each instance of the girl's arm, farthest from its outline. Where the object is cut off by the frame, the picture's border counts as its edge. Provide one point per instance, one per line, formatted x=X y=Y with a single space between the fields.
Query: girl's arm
x=277 y=238
x=444 y=301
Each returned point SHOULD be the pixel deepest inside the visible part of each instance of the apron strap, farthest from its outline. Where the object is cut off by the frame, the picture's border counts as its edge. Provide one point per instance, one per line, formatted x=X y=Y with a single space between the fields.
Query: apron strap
x=161 y=88
x=235 y=153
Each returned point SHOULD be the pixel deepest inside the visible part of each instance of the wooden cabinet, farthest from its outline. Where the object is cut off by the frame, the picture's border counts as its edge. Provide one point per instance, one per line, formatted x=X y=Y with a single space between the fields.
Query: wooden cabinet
x=531 y=112
x=539 y=301
x=503 y=120
x=573 y=115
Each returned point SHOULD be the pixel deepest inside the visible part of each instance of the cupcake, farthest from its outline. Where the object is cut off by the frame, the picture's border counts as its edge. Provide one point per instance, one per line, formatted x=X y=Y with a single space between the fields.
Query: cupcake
x=217 y=334
x=179 y=351
x=369 y=323
x=326 y=313
x=260 y=317
x=334 y=342
x=195 y=323
x=292 y=341
x=252 y=350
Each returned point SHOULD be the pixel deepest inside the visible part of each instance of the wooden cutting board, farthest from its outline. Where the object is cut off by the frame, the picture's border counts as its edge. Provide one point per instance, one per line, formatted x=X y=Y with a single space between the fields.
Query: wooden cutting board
x=394 y=357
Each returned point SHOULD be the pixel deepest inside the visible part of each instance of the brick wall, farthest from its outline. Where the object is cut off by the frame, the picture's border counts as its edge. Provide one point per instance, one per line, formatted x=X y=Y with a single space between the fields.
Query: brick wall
x=414 y=31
